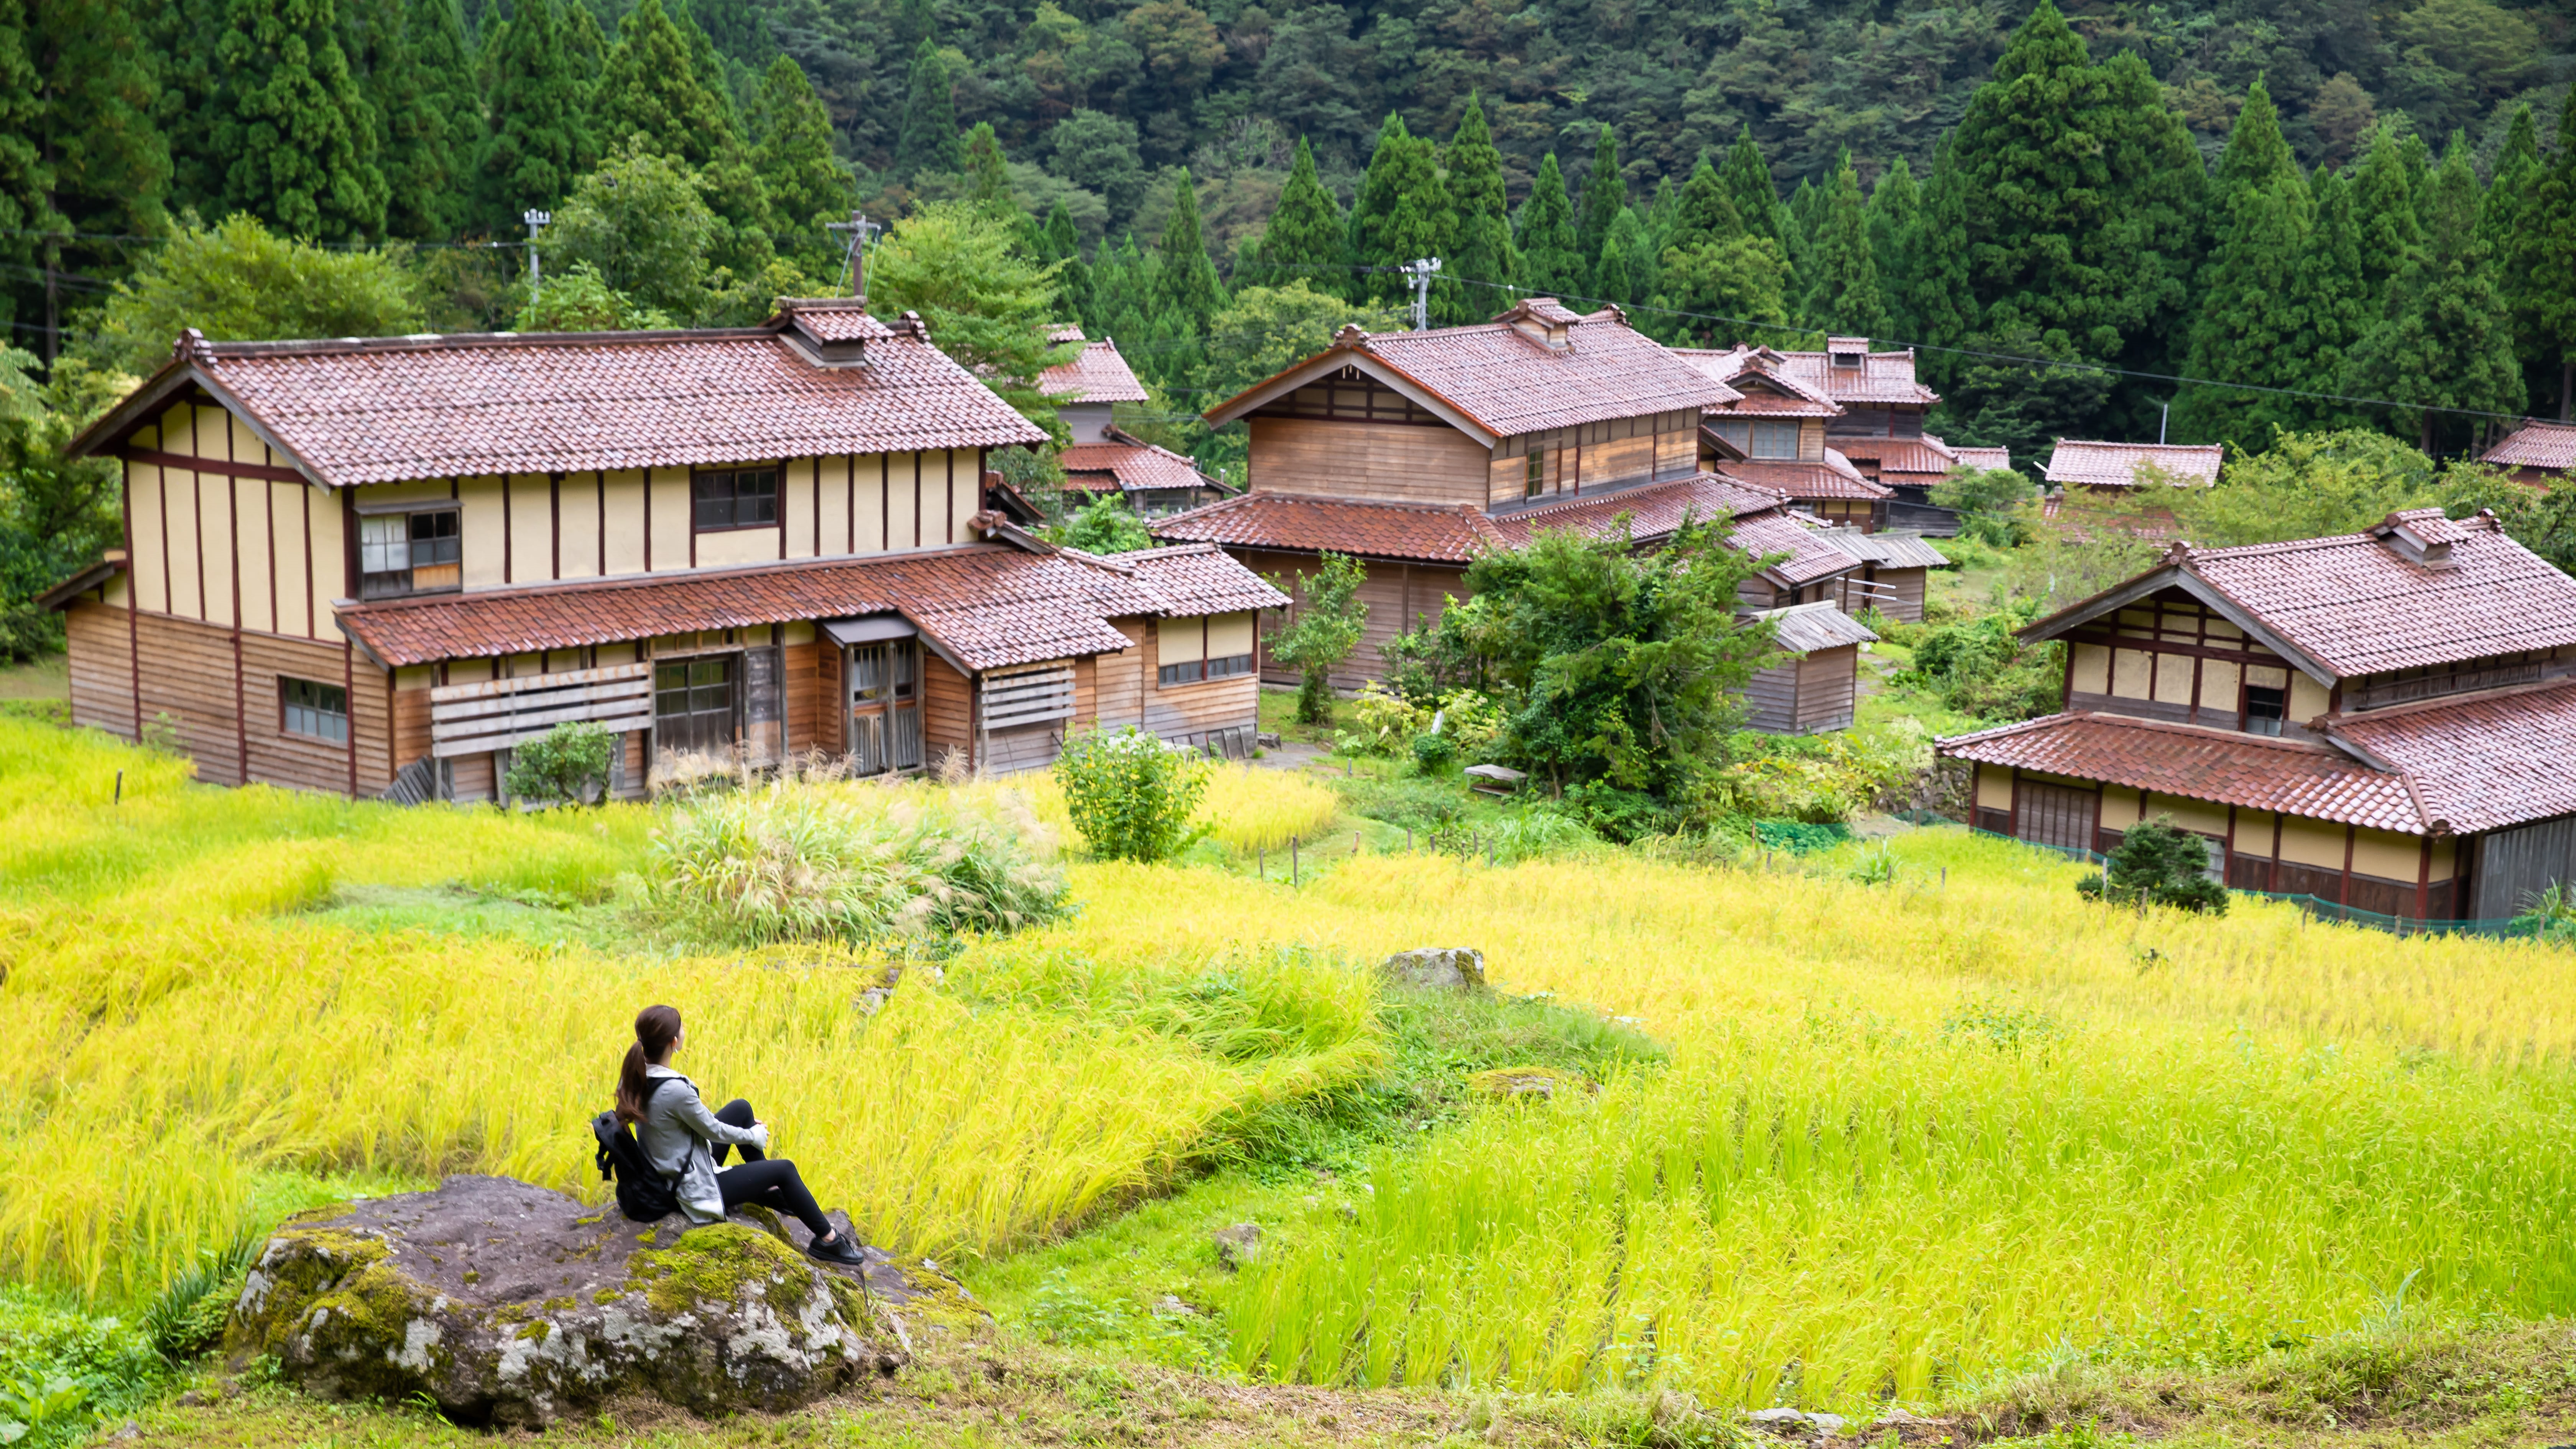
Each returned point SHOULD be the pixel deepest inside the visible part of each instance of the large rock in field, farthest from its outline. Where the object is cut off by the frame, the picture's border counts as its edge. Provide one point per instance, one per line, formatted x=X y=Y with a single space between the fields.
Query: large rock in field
x=509 y=1304
x=1437 y=968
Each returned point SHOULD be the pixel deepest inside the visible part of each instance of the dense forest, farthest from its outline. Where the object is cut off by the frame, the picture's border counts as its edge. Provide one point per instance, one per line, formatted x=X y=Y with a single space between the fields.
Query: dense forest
x=2208 y=220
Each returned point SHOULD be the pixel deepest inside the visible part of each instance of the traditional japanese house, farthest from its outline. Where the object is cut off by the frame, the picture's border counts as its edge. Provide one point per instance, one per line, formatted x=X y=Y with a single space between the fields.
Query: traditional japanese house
x=357 y=565
x=2125 y=467
x=1101 y=459
x=2381 y=719
x=1895 y=570
x=2537 y=453
x=1859 y=413
x=1984 y=460
x=1409 y=451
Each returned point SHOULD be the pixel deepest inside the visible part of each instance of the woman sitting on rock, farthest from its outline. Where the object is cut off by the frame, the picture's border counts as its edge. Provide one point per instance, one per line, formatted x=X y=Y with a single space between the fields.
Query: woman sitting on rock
x=687 y=1143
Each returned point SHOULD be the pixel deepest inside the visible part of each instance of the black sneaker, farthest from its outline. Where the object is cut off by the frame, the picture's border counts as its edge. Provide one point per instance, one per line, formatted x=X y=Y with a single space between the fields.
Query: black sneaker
x=841 y=1250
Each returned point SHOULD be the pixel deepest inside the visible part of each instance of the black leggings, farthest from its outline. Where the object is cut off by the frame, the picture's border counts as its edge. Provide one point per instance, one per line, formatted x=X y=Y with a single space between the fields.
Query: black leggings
x=762 y=1180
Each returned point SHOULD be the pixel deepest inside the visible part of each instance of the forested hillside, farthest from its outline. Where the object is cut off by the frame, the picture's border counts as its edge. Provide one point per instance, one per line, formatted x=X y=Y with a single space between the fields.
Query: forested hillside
x=2253 y=213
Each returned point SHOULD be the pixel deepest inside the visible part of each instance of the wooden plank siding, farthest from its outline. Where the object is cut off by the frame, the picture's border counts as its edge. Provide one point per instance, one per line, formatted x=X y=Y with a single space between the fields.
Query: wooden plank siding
x=1399 y=597
x=1828 y=689
x=1189 y=712
x=947 y=712
x=1399 y=462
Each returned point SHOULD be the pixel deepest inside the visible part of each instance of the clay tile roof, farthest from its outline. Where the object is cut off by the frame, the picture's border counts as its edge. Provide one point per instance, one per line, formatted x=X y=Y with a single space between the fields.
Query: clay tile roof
x=1809 y=558
x=1835 y=477
x=1983 y=459
x=1652 y=510
x=2115 y=465
x=1511 y=383
x=1193 y=578
x=2480 y=763
x=987 y=606
x=2253 y=771
x=2357 y=606
x=837 y=319
x=1926 y=456
x=1891 y=550
x=1343 y=525
x=1806 y=628
x=385 y=410
x=1096 y=374
x=1126 y=464
x=1789 y=395
x=1882 y=378
x=2536 y=445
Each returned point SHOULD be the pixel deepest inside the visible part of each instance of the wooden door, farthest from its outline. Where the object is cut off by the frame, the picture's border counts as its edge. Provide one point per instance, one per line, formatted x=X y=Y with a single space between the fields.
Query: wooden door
x=2058 y=815
x=885 y=707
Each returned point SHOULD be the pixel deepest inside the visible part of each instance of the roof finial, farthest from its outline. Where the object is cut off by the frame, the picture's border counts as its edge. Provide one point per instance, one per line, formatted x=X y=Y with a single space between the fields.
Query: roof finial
x=191 y=346
x=1351 y=336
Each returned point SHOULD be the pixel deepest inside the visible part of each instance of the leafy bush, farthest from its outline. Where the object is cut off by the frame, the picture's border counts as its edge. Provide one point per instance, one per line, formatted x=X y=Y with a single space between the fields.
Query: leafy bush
x=805 y=862
x=60 y=1369
x=1801 y=837
x=1526 y=835
x=2549 y=913
x=1106 y=525
x=1434 y=753
x=1423 y=805
x=2157 y=864
x=187 y=1318
x=1822 y=778
x=1387 y=723
x=567 y=763
x=1979 y=669
x=1991 y=504
x=1324 y=631
x=1131 y=795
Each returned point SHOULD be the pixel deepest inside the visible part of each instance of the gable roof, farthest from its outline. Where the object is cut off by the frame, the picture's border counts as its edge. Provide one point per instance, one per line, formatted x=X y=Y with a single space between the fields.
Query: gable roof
x=1761 y=523
x=2479 y=763
x=1768 y=385
x=1983 y=459
x=1806 y=628
x=820 y=377
x=2536 y=445
x=2115 y=465
x=1881 y=379
x=1926 y=456
x=1505 y=378
x=1097 y=374
x=1417 y=532
x=2354 y=603
x=1124 y=463
x=1886 y=549
x=1833 y=477
x=1192 y=579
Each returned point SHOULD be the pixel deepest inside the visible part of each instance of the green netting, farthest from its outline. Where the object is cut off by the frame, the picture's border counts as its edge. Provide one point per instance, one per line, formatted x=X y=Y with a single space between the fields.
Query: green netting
x=2531 y=927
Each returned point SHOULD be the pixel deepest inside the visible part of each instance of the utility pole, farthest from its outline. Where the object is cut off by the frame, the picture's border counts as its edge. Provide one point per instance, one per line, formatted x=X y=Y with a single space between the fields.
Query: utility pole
x=855 y=261
x=537 y=221
x=1417 y=275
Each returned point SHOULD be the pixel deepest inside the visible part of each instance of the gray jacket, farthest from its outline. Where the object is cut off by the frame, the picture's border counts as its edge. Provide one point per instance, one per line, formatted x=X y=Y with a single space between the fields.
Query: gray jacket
x=675 y=1133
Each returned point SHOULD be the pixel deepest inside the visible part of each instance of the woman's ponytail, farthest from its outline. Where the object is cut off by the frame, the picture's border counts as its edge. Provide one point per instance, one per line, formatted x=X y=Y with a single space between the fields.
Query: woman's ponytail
x=656 y=1027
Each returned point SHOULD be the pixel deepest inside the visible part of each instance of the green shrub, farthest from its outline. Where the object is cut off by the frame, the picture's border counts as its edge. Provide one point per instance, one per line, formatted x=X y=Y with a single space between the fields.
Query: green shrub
x=2549 y=913
x=1434 y=753
x=566 y=764
x=1130 y=795
x=187 y=1318
x=1326 y=628
x=1105 y=526
x=2157 y=864
x=1801 y=837
x=1416 y=804
x=802 y=862
x=1978 y=668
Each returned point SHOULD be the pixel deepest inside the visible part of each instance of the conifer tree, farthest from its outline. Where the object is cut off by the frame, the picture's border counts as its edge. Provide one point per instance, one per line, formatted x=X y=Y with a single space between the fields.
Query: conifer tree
x=2330 y=301
x=1842 y=274
x=2547 y=227
x=1186 y=288
x=1063 y=244
x=928 y=143
x=293 y=136
x=96 y=163
x=1605 y=195
x=2443 y=339
x=807 y=186
x=1400 y=214
x=1481 y=247
x=2384 y=202
x=540 y=137
x=652 y=87
x=2255 y=157
x=425 y=84
x=1615 y=272
x=988 y=171
x=1805 y=211
x=1750 y=187
x=1549 y=263
x=1705 y=211
x=2245 y=330
x=1895 y=207
x=1716 y=281
x=1932 y=267
x=1305 y=236
x=26 y=183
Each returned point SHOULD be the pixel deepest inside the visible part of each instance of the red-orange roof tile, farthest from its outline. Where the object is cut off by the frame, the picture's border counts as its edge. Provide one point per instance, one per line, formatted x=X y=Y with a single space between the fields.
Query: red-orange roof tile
x=1096 y=374
x=1835 y=477
x=383 y=410
x=2116 y=465
x=1761 y=522
x=2480 y=763
x=989 y=606
x=1299 y=523
x=2536 y=445
x=2252 y=771
x=1194 y=578
x=1926 y=456
x=1127 y=465
x=1983 y=459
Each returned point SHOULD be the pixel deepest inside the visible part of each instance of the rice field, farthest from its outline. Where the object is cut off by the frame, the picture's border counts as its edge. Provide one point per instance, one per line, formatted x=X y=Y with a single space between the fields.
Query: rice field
x=1913 y=1136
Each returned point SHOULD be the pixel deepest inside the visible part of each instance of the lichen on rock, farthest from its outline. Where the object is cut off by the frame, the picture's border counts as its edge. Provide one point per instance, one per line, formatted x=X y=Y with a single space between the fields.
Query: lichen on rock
x=510 y=1304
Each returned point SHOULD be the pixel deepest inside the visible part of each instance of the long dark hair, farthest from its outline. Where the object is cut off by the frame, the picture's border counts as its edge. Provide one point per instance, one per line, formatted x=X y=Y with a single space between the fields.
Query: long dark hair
x=656 y=1027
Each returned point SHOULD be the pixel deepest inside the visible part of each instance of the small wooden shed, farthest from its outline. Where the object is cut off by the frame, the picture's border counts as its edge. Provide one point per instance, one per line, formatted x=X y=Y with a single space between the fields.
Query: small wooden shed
x=1895 y=568
x=1818 y=686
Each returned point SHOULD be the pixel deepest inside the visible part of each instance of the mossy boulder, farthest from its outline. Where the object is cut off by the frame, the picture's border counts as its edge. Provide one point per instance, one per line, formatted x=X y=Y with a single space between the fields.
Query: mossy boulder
x=509 y=1304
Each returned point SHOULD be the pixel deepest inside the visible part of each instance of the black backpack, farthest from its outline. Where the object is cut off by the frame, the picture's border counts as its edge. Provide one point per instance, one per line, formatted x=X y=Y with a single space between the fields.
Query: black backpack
x=643 y=1194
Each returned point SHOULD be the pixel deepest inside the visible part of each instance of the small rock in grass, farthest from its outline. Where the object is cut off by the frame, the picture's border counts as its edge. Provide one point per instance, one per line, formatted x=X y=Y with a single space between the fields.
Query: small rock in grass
x=1438 y=968
x=1238 y=1245
x=1171 y=1306
x=1825 y=1426
x=1521 y=1084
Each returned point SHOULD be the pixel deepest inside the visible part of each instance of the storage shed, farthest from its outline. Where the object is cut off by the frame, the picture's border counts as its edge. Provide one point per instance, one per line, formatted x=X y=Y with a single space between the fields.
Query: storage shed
x=1818 y=686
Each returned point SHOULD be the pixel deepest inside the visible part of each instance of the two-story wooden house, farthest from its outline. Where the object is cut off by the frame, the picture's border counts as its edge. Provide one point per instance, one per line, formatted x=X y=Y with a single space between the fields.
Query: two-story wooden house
x=355 y=560
x=2381 y=719
x=2537 y=453
x=1101 y=459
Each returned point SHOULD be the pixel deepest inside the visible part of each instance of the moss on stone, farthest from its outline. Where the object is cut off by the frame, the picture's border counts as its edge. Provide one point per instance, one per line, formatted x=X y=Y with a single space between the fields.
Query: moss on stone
x=563 y=1304
x=933 y=1299
x=606 y=1296
x=1526 y=1084
x=301 y=1265
x=713 y=1264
